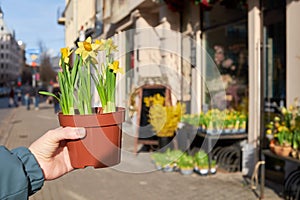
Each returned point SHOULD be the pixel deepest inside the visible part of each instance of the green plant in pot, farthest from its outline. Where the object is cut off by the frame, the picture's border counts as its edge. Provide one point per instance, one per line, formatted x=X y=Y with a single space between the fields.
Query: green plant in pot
x=283 y=146
x=159 y=160
x=213 y=166
x=101 y=146
x=173 y=156
x=165 y=161
x=201 y=162
x=215 y=121
x=283 y=131
x=296 y=143
x=186 y=164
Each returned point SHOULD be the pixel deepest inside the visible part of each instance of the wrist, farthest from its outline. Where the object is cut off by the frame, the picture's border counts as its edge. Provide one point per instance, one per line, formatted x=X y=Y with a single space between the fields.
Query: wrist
x=31 y=167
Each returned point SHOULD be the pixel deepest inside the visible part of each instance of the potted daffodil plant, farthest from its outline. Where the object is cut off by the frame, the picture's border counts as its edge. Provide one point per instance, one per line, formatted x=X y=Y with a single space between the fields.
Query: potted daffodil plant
x=163 y=118
x=101 y=146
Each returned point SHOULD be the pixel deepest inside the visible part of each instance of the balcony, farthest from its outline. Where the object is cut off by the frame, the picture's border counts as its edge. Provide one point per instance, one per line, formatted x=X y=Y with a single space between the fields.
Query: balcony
x=119 y=11
x=61 y=19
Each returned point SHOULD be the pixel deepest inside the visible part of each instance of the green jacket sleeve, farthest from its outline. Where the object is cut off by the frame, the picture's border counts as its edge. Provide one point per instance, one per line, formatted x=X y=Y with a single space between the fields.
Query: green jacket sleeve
x=20 y=174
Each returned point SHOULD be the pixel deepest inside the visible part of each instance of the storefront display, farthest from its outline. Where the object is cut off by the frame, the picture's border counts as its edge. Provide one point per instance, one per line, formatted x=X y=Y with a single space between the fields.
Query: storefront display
x=225 y=39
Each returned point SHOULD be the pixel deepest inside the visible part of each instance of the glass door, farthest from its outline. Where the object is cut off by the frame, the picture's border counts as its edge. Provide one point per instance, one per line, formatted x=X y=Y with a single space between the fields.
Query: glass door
x=274 y=52
x=274 y=56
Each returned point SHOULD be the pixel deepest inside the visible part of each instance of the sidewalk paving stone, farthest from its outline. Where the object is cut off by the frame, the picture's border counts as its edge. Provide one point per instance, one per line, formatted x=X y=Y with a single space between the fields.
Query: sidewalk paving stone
x=120 y=182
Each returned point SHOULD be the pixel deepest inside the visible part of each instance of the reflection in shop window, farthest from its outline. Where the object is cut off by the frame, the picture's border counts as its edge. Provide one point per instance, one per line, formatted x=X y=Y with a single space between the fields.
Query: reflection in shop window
x=230 y=55
x=226 y=40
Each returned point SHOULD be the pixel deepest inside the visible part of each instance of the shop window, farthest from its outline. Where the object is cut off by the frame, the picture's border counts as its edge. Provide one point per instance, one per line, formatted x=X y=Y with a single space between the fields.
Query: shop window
x=223 y=12
x=226 y=40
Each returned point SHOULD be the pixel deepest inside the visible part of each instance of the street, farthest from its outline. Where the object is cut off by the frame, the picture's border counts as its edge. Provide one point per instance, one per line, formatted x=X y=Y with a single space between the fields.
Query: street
x=134 y=178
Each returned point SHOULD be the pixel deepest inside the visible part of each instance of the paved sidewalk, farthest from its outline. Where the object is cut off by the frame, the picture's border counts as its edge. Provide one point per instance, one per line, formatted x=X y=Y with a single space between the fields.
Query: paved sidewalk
x=121 y=182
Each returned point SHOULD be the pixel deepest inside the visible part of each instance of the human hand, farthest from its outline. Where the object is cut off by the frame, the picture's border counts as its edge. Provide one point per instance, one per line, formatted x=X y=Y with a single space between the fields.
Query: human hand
x=51 y=151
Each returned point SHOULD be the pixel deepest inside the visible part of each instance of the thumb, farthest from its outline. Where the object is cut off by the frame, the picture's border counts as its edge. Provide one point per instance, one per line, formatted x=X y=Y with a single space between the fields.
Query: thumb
x=67 y=133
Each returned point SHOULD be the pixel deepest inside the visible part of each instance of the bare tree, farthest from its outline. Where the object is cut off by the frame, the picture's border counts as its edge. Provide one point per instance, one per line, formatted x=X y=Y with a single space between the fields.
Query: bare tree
x=46 y=70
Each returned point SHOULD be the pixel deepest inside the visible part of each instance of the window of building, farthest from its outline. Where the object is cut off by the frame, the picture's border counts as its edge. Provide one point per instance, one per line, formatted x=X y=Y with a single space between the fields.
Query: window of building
x=225 y=36
x=274 y=50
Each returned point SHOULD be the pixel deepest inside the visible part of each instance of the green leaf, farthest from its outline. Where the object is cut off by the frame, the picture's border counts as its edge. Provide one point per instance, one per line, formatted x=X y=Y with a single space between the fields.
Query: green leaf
x=49 y=94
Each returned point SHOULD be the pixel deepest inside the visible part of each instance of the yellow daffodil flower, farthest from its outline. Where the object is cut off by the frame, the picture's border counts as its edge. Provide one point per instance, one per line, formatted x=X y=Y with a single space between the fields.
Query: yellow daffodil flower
x=269 y=131
x=99 y=45
x=87 y=49
x=277 y=119
x=115 y=67
x=284 y=110
x=65 y=53
x=110 y=45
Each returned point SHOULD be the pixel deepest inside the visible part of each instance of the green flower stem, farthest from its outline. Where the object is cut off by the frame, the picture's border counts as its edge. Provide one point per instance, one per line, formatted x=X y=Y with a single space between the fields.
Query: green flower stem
x=89 y=86
x=84 y=90
x=111 y=80
x=110 y=107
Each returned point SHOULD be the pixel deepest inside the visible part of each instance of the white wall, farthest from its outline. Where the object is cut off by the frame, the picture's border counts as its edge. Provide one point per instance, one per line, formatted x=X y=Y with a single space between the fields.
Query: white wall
x=292 y=50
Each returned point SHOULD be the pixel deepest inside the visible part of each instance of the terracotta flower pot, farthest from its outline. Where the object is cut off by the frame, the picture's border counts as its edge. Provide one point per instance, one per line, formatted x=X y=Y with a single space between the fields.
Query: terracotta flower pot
x=282 y=150
x=102 y=145
x=271 y=145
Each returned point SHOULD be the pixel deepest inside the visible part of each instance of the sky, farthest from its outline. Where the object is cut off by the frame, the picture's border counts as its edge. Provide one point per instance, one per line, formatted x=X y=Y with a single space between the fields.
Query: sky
x=35 y=21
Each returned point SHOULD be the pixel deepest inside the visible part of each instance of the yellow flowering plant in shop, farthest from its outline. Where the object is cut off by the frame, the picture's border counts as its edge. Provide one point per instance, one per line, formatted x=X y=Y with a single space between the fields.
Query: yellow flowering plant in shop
x=284 y=129
x=163 y=118
x=75 y=80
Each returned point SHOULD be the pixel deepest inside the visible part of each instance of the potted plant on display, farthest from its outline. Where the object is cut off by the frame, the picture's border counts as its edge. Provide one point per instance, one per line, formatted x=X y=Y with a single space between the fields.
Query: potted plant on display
x=166 y=161
x=213 y=167
x=158 y=159
x=185 y=164
x=101 y=146
x=283 y=131
x=163 y=118
x=215 y=121
x=228 y=123
x=296 y=143
x=191 y=119
x=284 y=137
x=201 y=162
x=242 y=123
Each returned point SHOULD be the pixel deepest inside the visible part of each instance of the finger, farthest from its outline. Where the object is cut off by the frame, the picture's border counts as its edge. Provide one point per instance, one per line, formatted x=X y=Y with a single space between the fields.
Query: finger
x=67 y=133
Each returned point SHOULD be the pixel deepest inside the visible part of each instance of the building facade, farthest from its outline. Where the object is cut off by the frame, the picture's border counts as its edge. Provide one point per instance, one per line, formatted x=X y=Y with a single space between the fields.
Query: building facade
x=250 y=46
x=11 y=55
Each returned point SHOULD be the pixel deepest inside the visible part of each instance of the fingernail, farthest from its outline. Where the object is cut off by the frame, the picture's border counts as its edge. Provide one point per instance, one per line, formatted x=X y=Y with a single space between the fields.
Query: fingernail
x=81 y=132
